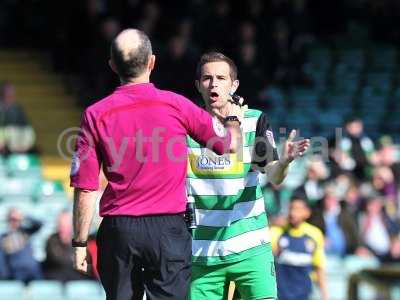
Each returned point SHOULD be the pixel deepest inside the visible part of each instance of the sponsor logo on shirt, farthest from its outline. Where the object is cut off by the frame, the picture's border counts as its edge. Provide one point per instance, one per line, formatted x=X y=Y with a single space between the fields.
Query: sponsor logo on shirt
x=211 y=164
x=205 y=162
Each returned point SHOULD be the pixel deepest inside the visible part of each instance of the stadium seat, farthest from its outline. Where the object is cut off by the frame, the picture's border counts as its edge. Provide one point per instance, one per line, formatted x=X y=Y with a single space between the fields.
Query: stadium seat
x=354 y=263
x=395 y=292
x=82 y=289
x=380 y=82
x=334 y=265
x=20 y=186
x=383 y=58
x=45 y=289
x=337 y=287
x=23 y=165
x=367 y=292
x=352 y=57
x=11 y=290
x=320 y=57
x=50 y=188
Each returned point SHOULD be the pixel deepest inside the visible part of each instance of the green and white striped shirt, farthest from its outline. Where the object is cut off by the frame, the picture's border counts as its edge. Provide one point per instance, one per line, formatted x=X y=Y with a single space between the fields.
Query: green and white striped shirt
x=232 y=223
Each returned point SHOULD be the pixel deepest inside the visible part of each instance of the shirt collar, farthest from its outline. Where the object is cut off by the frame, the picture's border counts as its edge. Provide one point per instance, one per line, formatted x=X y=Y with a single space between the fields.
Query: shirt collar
x=136 y=87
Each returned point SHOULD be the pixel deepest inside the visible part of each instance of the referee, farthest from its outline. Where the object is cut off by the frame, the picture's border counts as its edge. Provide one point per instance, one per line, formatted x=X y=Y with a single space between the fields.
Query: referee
x=137 y=135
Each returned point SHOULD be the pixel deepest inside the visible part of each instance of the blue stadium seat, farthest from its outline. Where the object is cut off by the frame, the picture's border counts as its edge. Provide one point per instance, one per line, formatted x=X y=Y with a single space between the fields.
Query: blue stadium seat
x=383 y=57
x=380 y=82
x=354 y=57
x=45 y=289
x=11 y=290
x=83 y=289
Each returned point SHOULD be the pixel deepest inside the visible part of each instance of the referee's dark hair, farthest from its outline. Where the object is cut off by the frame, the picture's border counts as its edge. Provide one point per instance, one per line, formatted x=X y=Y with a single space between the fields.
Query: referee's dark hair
x=131 y=63
x=216 y=57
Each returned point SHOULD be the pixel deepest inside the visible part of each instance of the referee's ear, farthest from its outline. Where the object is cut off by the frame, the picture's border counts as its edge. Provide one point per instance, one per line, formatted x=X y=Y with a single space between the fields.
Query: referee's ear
x=152 y=62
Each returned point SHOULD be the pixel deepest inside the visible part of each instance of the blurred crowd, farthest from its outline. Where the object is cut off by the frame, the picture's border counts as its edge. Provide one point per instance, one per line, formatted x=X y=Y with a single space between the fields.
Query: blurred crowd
x=354 y=195
x=267 y=39
x=16 y=250
x=16 y=132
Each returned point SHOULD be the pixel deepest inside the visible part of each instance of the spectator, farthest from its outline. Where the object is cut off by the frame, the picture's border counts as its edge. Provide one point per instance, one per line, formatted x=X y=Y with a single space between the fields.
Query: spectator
x=99 y=79
x=16 y=134
x=276 y=200
x=387 y=156
x=384 y=183
x=17 y=248
x=58 y=263
x=251 y=73
x=216 y=26
x=377 y=230
x=336 y=222
x=354 y=199
x=313 y=186
x=357 y=146
x=179 y=58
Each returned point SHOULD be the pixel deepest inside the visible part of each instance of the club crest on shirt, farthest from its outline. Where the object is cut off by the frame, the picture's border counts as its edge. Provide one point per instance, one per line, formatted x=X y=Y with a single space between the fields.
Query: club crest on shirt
x=75 y=165
x=270 y=136
x=310 y=246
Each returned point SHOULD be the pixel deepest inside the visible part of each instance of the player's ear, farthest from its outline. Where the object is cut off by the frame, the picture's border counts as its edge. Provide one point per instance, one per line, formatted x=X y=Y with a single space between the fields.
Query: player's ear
x=307 y=213
x=112 y=66
x=152 y=62
x=235 y=85
x=197 y=84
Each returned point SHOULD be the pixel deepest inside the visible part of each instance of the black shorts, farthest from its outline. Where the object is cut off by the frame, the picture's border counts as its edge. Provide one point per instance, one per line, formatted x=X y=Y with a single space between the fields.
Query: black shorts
x=153 y=249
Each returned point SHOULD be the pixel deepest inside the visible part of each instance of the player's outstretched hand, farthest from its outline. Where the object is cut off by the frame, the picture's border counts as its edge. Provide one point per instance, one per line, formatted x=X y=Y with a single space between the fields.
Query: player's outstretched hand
x=293 y=149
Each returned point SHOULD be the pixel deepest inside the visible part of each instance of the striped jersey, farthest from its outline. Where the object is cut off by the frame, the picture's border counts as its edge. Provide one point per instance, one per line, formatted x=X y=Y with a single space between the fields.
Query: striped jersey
x=229 y=202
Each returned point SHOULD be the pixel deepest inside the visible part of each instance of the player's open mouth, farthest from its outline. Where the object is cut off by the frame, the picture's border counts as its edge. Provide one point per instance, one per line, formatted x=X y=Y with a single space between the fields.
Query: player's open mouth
x=214 y=96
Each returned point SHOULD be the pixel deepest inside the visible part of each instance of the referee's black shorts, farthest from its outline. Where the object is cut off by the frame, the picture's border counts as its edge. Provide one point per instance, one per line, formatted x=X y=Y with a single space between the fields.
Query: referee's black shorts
x=160 y=245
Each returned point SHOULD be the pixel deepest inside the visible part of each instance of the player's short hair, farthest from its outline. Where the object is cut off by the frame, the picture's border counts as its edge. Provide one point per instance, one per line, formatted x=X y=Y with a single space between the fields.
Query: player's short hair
x=300 y=197
x=131 y=65
x=216 y=57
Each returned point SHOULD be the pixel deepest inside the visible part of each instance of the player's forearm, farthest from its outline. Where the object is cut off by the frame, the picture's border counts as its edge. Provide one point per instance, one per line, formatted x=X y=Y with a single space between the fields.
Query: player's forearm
x=276 y=171
x=84 y=206
x=321 y=279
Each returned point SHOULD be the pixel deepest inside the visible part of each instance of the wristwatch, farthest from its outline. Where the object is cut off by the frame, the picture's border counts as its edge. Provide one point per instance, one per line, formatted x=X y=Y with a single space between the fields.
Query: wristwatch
x=78 y=244
x=232 y=119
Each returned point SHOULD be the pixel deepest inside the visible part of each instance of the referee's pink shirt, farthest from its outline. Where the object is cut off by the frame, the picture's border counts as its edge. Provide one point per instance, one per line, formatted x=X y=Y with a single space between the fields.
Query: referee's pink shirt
x=138 y=136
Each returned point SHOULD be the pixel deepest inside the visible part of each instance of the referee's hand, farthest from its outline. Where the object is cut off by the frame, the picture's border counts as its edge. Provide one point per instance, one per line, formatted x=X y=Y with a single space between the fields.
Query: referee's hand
x=82 y=261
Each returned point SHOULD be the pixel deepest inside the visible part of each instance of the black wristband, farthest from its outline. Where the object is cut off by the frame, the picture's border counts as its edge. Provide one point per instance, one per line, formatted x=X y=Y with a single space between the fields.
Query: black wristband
x=78 y=244
x=232 y=119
